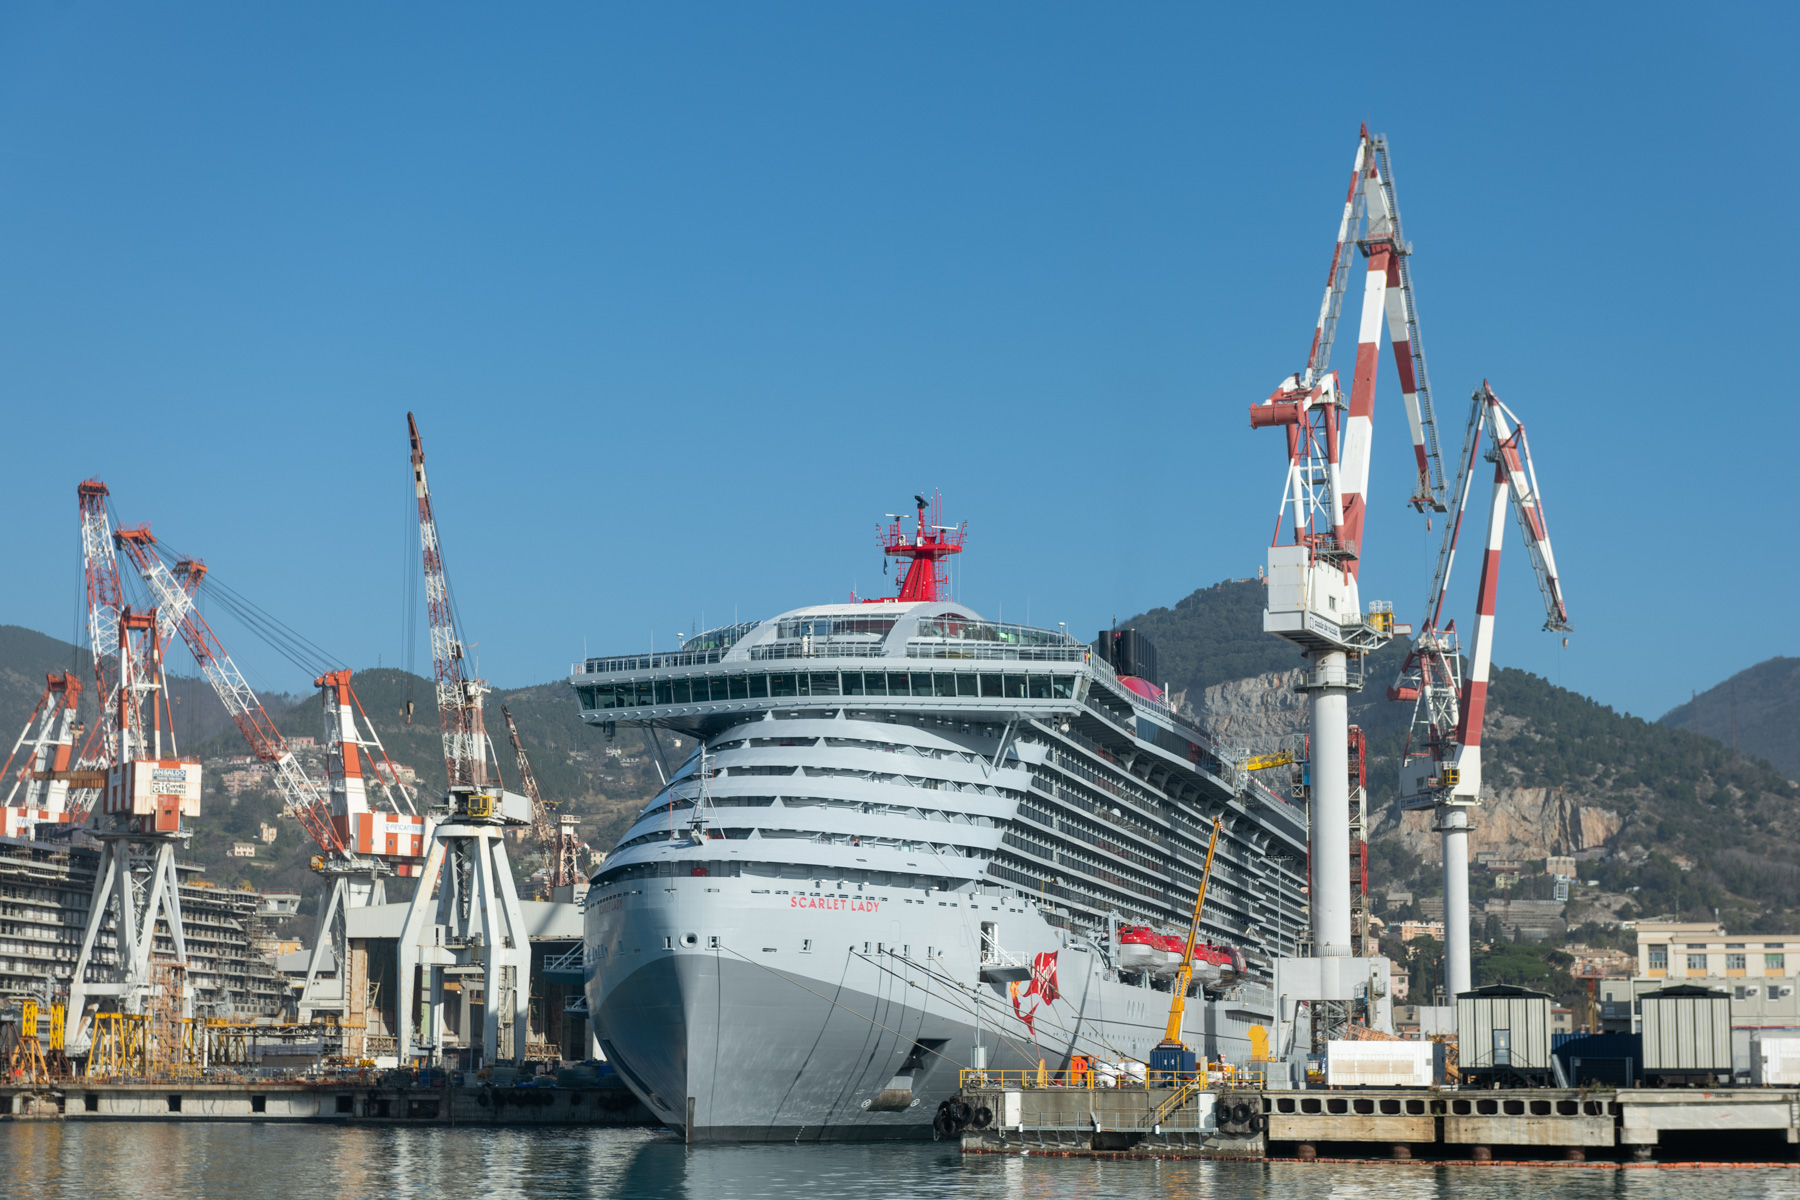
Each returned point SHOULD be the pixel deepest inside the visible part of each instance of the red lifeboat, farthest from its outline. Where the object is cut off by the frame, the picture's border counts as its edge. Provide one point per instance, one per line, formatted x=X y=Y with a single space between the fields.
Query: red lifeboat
x=1143 y=949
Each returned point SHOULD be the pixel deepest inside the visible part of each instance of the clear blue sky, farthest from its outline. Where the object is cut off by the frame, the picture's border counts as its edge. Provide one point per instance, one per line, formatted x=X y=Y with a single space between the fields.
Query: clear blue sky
x=686 y=297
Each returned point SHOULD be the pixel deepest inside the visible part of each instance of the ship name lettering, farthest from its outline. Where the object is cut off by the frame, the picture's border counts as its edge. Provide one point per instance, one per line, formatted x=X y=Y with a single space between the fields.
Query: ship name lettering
x=834 y=903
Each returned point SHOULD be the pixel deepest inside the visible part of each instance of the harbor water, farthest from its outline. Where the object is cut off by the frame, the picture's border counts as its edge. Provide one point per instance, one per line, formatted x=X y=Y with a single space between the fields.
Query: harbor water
x=125 y=1161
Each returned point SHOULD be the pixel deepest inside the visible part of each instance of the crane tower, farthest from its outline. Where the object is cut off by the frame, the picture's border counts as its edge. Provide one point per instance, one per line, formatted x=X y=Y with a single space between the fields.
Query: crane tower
x=1441 y=767
x=464 y=919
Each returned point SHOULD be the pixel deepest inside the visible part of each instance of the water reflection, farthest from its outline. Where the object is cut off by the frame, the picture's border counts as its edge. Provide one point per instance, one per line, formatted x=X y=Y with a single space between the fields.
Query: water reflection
x=50 y=1161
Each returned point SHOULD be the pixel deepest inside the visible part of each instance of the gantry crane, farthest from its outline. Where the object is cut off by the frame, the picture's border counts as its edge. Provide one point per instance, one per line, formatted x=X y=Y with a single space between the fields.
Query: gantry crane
x=1313 y=597
x=138 y=822
x=1441 y=767
x=465 y=915
x=556 y=834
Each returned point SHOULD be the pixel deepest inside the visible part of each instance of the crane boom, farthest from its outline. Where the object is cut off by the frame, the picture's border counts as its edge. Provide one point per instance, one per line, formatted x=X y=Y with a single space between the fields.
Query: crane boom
x=175 y=606
x=541 y=824
x=1184 y=976
x=458 y=695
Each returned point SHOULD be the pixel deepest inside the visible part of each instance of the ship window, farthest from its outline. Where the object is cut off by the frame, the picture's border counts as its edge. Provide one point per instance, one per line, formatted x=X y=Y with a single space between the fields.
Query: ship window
x=966 y=685
x=759 y=686
x=681 y=691
x=1015 y=687
x=665 y=692
x=603 y=696
x=824 y=683
x=587 y=697
x=1040 y=687
x=921 y=684
x=781 y=685
x=897 y=683
x=1063 y=687
x=644 y=693
x=853 y=683
x=876 y=683
x=946 y=684
x=990 y=685
x=719 y=688
x=740 y=687
x=801 y=682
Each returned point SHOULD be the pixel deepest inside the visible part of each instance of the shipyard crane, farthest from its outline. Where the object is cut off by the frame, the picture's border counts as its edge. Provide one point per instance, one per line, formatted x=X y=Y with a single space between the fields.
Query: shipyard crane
x=40 y=785
x=465 y=915
x=176 y=605
x=1440 y=769
x=557 y=836
x=1315 y=555
x=138 y=823
x=359 y=845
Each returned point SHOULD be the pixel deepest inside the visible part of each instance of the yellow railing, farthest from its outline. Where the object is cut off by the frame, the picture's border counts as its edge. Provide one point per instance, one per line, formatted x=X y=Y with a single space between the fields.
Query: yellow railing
x=1217 y=1076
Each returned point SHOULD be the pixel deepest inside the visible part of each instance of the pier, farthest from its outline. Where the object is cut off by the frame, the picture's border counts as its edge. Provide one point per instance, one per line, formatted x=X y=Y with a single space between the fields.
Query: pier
x=343 y=1101
x=1440 y=1124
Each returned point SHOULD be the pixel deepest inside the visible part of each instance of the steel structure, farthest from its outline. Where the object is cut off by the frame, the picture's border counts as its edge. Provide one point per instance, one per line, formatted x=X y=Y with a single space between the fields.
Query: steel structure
x=1314 y=558
x=927 y=551
x=370 y=842
x=1441 y=767
x=359 y=845
x=139 y=824
x=464 y=920
x=556 y=834
x=38 y=787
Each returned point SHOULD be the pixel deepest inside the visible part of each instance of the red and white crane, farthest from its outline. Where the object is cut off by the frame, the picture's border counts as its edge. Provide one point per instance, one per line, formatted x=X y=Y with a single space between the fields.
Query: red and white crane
x=1315 y=556
x=139 y=823
x=360 y=845
x=1441 y=766
x=38 y=787
x=465 y=912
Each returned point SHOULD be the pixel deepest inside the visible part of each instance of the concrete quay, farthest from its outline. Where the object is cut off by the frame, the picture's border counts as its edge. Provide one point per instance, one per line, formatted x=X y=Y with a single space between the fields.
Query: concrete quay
x=1548 y=1125
x=341 y=1102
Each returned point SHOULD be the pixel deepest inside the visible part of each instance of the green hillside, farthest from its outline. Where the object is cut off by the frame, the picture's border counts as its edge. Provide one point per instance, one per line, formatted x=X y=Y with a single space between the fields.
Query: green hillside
x=1757 y=711
x=1679 y=794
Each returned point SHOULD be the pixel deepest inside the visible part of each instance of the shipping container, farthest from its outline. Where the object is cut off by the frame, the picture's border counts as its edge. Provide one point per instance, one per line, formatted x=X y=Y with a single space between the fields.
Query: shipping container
x=1384 y=1064
x=1774 y=1059
x=1687 y=1035
x=1503 y=1036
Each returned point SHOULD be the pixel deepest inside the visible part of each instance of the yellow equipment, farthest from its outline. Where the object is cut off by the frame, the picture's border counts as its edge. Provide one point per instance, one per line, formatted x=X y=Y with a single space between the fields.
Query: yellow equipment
x=1263 y=762
x=1171 y=1055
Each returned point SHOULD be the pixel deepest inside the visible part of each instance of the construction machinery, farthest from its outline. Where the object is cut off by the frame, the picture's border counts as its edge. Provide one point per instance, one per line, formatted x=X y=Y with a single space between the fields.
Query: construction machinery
x=1171 y=1059
x=464 y=925
x=139 y=823
x=1441 y=767
x=360 y=845
x=1314 y=559
x=555 y=833
x=39 y=787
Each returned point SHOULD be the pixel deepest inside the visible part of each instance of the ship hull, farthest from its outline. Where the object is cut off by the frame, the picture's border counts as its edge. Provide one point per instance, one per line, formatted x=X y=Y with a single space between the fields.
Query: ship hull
x=776 y=1024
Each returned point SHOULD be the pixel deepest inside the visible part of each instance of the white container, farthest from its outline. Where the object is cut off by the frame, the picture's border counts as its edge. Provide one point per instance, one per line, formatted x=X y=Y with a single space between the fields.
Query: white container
x=1106 y=1074
x=1381 y=1064
x=1131 y=1073
x=1774 y=1059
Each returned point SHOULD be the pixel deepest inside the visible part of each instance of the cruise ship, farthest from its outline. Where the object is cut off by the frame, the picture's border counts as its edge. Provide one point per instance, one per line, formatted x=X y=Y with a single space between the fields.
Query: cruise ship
x=898 y=839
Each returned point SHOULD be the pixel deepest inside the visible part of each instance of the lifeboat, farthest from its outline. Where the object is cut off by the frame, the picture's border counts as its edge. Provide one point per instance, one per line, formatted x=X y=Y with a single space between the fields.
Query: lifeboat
x=1143 y=949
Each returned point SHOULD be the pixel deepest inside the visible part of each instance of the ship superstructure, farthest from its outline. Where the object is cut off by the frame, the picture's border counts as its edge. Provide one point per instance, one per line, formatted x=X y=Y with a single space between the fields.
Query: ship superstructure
x=905 y=839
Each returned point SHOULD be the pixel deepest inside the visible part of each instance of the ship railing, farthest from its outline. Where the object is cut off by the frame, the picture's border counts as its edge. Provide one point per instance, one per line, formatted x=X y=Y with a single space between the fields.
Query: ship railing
x=570 y=960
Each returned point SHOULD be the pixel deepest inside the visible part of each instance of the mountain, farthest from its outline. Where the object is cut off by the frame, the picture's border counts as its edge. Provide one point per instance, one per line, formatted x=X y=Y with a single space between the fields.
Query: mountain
x=1665 y=820
x=1757 y=711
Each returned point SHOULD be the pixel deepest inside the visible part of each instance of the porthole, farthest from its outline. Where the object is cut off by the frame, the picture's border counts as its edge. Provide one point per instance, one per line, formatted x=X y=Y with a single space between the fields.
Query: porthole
x=690 y=939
